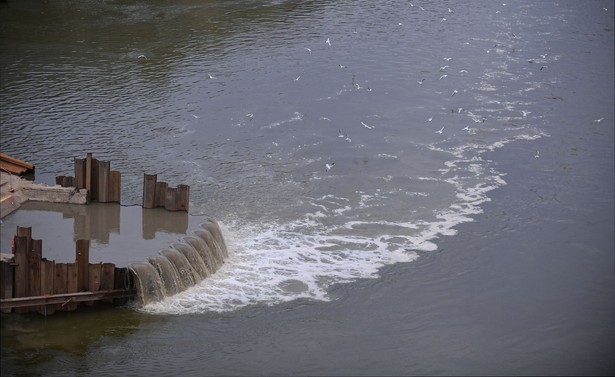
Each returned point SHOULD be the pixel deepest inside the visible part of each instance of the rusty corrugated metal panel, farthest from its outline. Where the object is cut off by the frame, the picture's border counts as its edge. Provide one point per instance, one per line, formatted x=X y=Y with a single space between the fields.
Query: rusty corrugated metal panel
x=14 y=166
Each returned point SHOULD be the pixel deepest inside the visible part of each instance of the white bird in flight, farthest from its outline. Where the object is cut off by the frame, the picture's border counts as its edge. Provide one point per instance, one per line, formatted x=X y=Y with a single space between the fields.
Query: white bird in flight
x=329 y=166
x=309 y=50
x=443 y=76
x=440 y=130
x=328 y=41
x=454 y=92
x=598 y=120
x=366 y=126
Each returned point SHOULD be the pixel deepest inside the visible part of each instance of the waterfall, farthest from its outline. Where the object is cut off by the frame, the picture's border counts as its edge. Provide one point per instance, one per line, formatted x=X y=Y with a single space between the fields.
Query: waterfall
x=194 y=258
x=184 y=264
x=147 y=282
x=214 y=229
x=172 y=283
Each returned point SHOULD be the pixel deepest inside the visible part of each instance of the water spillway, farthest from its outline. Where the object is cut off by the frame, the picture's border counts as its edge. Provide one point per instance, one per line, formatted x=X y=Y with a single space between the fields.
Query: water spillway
x=182 y=265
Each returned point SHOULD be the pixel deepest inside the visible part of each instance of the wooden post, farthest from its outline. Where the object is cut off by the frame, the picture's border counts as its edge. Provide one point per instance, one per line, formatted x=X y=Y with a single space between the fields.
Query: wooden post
x=72 y=284
x=47 y=278
x=22 y=281
x=161 y=194
x=80 y=164
x=21 y=266
x=94 y=277
x=26 y=232
x=184 y=197
x=104 y=169
x=149 y=190
x=82 y=259
x=94 y=280
x=34 y=267
x=107 y=275
x=122 y=279
x=88 y=175
x=94 y=180
x=23 y=248
x=115 y=186
x=170 y=203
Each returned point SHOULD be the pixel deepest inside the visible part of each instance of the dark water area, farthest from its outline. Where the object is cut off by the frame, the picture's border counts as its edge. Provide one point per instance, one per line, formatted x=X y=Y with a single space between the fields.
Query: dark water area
x=484 y=249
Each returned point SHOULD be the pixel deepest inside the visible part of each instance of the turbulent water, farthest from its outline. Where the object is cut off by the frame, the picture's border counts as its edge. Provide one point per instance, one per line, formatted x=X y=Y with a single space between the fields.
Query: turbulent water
x=328 y=138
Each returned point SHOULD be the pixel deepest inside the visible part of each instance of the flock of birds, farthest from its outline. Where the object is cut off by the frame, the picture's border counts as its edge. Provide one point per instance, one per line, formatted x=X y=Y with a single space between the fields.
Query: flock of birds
x=443 y=69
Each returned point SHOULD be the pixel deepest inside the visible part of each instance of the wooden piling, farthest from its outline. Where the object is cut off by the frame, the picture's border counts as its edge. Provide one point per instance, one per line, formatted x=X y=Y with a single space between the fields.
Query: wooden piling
x=94 y=178
x=183 y=197
x=170 y=203
x=115 y=186
x=80 y=164
x=149 y=190
x=82 y=260
x=161 y=194
x=21 y=266
x=72 y=285
x=34 y=267
x=103 y=171
x=88 y=174
x=47 y=278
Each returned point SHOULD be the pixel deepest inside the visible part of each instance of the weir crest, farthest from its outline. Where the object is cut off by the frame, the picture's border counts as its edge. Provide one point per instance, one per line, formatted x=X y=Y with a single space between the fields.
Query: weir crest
x=181 y=266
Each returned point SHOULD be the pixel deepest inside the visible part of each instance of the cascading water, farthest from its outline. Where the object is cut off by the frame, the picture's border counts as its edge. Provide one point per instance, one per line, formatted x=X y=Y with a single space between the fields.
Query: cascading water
x=182 y=265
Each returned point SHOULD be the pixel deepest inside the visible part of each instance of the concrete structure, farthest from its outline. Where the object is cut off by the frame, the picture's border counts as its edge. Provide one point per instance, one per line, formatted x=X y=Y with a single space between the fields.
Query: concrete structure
x=14 y=191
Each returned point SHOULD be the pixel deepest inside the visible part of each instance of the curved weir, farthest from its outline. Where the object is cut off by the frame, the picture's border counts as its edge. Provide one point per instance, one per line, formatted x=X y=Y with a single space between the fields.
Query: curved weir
x=181 y=266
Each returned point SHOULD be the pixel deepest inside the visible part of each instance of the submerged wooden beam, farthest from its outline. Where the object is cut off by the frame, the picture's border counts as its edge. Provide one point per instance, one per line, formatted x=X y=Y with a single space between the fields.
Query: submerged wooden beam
x=22 y=302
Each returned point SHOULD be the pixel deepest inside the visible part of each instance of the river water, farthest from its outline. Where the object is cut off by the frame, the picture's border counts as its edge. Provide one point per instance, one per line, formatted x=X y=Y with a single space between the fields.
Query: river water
x=406 y=187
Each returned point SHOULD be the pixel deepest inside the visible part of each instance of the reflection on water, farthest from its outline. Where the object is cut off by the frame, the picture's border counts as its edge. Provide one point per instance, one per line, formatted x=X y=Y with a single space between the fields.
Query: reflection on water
x=119 y=234
x=40 y=339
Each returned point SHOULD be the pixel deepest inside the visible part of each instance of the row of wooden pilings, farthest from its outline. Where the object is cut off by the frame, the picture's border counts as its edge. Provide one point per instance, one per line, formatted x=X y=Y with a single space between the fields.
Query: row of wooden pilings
x=103 y=185
x=31 y=283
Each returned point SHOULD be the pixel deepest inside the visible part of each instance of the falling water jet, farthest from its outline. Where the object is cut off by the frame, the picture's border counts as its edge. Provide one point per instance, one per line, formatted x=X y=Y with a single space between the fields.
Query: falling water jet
x=172 y=283
x=204 y=249
x=195 y=259
x=214 y=228
x=185 y=264
x=208 y=240
x=148 y=282
x=187 y=274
